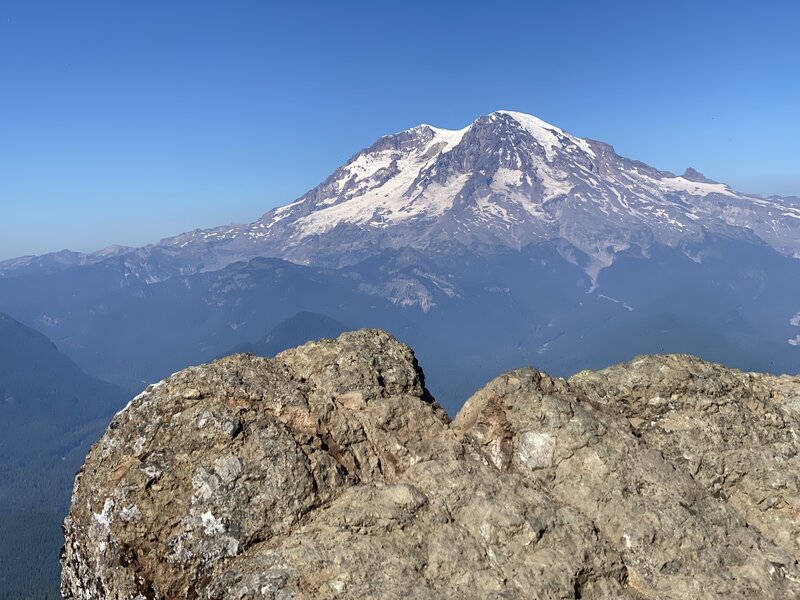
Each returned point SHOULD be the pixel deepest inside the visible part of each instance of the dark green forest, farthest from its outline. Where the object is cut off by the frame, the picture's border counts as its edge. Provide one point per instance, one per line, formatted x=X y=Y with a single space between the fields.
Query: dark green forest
x=29 y=568
x=50 y=414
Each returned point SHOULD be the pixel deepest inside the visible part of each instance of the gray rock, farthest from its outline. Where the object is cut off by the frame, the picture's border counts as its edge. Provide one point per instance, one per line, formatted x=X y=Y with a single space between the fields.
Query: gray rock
x=692 y=174
x=330 y=472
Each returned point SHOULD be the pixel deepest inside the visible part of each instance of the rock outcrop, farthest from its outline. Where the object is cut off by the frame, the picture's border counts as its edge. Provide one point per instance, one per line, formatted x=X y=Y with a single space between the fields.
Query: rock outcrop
x=330 y=472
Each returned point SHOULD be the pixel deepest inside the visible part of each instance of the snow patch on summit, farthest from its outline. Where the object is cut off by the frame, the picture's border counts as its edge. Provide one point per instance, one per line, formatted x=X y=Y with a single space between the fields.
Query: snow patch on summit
x=550 y=136
x=376 y=188
x=695 y=188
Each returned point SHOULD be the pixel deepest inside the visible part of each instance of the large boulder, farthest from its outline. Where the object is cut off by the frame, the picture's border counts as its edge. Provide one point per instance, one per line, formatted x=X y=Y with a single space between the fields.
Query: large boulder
x=330 y=472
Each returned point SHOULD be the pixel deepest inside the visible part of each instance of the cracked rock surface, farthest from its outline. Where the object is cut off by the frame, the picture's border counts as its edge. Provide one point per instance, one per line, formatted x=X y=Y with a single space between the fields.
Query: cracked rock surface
x=330 y=472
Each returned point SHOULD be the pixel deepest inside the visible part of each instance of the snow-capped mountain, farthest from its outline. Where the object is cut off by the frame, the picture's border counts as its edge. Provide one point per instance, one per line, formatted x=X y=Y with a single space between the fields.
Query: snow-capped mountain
x=505 y=181
x=508 y=180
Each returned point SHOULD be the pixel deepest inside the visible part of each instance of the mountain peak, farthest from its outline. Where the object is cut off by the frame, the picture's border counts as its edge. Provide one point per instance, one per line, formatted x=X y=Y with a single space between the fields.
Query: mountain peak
x=541 y=130
x=694 y=175
x=552 y=138
x=508 y=179
x=525 y=119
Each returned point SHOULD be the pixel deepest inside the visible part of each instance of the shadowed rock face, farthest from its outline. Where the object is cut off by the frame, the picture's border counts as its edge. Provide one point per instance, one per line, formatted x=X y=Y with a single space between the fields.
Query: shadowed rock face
x=329 y=472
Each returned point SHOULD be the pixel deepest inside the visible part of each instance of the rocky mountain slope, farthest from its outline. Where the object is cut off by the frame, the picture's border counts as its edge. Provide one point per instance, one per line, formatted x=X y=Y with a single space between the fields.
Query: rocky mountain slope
x=330 y=472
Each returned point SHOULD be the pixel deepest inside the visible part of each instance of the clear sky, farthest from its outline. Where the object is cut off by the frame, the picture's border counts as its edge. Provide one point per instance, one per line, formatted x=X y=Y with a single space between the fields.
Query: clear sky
x=124 y=122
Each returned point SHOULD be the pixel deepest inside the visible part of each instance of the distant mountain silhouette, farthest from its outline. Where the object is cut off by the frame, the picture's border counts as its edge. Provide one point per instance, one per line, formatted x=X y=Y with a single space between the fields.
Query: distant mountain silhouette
x=298 y=329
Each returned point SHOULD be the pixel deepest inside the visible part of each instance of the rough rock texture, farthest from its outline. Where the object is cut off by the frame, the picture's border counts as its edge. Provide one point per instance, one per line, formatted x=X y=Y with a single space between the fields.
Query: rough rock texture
x=329 y=472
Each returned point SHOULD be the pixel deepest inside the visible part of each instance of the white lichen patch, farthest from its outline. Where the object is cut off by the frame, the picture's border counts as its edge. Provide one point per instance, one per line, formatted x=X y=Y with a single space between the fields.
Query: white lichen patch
x=138 y=445
x=536 y=449
x=211 y=524
x=152 y=472
x=131 y=513
x=104 y=517
x=205 y=484
x=228 y=469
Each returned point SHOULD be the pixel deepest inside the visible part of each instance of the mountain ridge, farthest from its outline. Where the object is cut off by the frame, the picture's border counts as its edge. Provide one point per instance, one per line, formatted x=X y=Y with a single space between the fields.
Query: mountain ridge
x=506 y=180
x=477 y=186
x=298 y=329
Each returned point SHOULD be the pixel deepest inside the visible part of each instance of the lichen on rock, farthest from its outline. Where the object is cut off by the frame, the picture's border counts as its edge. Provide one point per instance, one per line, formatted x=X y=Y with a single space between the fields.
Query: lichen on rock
x=330 y=472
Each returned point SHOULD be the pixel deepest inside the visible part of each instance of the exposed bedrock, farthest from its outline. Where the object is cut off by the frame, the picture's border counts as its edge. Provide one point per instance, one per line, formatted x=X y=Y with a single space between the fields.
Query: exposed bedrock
x=330 y=472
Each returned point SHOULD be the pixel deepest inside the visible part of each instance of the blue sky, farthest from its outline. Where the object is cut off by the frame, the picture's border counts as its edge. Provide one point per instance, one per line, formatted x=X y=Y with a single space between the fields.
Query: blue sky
x=124 y=122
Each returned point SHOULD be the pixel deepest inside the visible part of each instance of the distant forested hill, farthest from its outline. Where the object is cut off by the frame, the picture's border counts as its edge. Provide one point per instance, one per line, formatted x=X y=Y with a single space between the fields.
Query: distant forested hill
x=50 y=414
